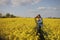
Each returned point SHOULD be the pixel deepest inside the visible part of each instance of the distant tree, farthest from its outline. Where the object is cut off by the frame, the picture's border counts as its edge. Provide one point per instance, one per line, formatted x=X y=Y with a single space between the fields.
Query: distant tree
x=8 y=15
x=12 y=16
x=0 y=15
x=3 y=16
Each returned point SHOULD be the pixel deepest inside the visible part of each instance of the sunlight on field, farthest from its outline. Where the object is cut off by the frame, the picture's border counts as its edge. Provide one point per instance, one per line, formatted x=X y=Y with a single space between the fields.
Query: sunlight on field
x=52 y=28
x=24 y=29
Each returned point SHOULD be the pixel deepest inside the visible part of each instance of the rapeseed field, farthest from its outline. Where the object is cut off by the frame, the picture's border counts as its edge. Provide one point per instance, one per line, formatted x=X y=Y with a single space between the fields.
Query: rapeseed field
x=25 y=29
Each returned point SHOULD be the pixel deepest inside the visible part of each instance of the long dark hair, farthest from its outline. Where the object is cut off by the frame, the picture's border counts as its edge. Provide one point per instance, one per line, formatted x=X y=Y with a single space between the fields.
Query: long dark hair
x=38 y=16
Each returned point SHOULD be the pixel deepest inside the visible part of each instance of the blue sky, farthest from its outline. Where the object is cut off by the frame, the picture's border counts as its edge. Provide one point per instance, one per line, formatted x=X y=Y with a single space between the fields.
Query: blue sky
x=31 y=8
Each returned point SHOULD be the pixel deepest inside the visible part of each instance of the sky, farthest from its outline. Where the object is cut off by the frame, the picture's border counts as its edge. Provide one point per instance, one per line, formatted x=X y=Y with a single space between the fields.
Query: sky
x=31 y=8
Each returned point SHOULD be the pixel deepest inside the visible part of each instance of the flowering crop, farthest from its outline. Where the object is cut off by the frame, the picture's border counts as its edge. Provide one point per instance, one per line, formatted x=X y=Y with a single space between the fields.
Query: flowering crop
x=25 y=29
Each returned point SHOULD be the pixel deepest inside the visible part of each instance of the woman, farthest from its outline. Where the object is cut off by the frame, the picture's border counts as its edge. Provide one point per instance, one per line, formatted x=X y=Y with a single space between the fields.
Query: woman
x=39 y=22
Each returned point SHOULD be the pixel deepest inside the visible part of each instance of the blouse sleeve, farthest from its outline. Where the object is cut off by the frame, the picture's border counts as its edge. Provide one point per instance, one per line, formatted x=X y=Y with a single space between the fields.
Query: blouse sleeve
x=39 y=21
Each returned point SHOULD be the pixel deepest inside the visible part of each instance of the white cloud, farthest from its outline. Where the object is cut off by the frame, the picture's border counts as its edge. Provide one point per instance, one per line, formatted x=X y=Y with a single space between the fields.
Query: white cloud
x=44 y=11
x=47 y=8
x=3 y=2
x=23 y=2
x=52 y=8
x=18 y=2
x=41 y=8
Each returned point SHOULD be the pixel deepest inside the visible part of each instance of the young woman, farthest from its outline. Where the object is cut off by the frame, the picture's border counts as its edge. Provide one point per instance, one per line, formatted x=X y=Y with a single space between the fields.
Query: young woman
x=39 y=22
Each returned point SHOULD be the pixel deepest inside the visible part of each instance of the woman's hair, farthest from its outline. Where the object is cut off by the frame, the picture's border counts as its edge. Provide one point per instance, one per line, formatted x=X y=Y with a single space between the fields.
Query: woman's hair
x=38 y=16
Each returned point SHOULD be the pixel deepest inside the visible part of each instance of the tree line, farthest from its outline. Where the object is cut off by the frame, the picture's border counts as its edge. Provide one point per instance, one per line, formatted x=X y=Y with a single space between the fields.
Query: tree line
x=7 y=15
